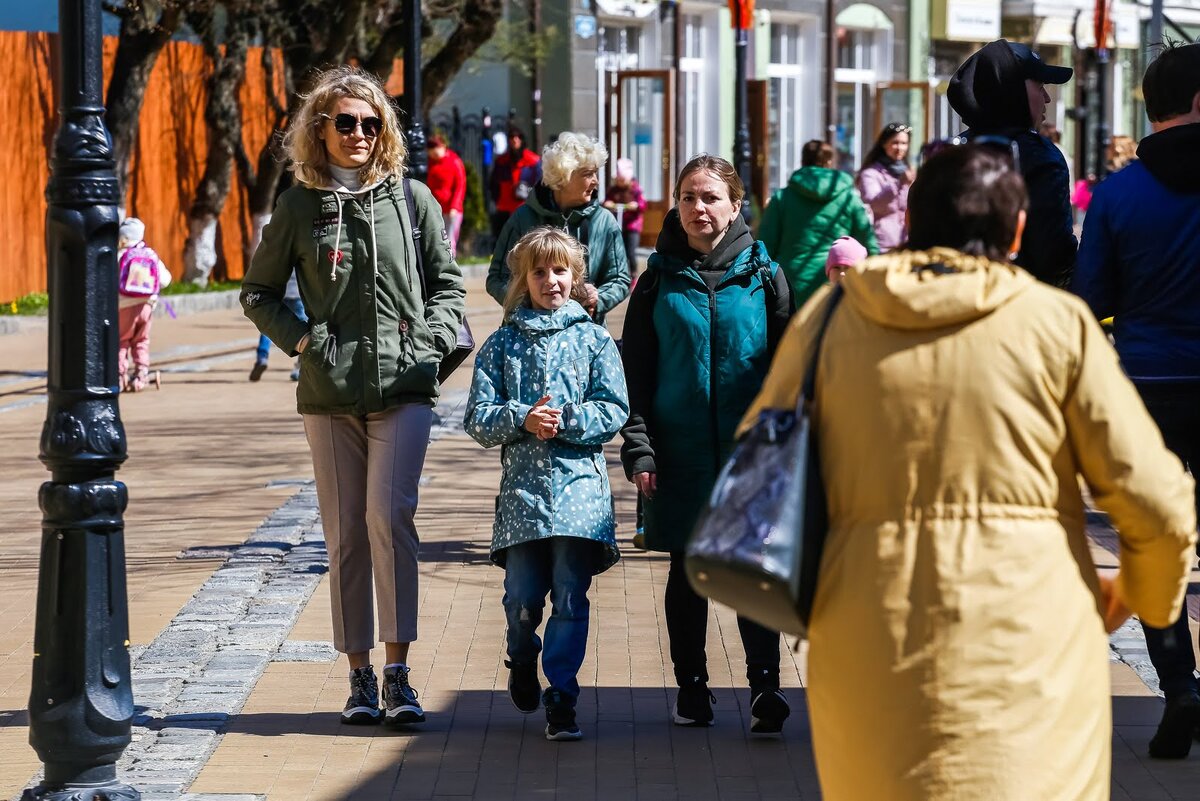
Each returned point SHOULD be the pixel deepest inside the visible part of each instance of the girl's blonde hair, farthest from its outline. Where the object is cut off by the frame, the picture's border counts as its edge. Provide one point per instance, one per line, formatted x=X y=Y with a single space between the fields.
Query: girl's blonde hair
x=567 y=154
x=310 y=161
x=543 y=245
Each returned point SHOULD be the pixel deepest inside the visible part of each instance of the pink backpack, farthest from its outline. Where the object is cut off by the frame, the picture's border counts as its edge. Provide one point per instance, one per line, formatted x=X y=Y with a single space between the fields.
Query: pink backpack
x=139 y=272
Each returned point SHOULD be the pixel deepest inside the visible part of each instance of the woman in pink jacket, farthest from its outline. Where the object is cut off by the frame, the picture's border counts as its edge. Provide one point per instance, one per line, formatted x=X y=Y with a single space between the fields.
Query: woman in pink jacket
x=883 y=183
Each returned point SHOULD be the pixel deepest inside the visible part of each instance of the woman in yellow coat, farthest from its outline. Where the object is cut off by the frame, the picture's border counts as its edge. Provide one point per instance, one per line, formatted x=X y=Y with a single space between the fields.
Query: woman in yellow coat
x=957 y=648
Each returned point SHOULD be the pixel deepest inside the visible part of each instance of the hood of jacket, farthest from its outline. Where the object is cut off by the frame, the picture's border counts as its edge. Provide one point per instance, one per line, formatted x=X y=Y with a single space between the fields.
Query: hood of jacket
x=916 y=290
x=544 y=321
x=672 y=244
x=541 y=201
x=820 y=183
x=988 y=90
x=1173 y=157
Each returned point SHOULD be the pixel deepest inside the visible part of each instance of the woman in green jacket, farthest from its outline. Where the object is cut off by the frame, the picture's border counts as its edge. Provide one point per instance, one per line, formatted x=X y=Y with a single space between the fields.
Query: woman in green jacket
x=806 y=217
x=565 y=198
x=700 y=331
x=369 y=359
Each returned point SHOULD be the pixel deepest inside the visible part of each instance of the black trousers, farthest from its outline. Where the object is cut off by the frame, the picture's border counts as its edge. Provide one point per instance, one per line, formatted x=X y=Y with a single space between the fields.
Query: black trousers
x=1176 y=410
x=687 y=628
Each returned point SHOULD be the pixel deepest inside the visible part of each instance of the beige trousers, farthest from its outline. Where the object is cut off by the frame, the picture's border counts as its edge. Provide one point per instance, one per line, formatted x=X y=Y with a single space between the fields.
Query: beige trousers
x=367 y=471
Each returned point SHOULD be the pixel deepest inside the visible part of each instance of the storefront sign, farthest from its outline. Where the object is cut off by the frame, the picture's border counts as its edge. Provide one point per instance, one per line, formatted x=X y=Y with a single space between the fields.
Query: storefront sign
x=966 y=20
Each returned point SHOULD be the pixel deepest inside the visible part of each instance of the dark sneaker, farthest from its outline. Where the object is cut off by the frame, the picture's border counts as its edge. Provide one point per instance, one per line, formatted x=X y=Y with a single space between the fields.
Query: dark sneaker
x=693 y=705
x=1173 y=740
x=399 y=698
x=257 y=370
x=560 y=716
x=768 y=710
x=524 y=688
x=362 y=707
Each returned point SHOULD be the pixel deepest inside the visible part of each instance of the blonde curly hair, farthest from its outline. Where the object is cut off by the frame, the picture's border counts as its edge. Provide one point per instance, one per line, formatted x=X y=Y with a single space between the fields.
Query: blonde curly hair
x=569 y=153
x=310 y=160
x=543 y=245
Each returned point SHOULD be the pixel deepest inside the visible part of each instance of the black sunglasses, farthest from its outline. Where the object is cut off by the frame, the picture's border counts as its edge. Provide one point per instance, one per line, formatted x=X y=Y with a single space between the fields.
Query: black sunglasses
x=345 y=124
x=1000 y=144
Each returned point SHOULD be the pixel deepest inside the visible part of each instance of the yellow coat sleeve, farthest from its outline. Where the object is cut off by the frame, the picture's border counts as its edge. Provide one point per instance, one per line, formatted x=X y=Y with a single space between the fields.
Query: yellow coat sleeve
x=1134 y=478
x=781 y=388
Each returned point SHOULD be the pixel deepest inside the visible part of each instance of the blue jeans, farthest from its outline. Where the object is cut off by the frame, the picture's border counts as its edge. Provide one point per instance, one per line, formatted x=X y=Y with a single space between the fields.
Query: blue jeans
x=264 y=344
x=561 y=567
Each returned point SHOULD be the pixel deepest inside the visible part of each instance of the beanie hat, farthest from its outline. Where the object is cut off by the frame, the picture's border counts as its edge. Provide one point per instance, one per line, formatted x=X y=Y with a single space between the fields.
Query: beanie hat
x=845 y=252
x=131 y=232
x=625 y=169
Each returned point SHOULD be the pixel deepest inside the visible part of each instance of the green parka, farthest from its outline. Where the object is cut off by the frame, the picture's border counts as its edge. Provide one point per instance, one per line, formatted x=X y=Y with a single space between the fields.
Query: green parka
x=805 y=217
x=698 y=339
x=375 y=342
x=608 y=269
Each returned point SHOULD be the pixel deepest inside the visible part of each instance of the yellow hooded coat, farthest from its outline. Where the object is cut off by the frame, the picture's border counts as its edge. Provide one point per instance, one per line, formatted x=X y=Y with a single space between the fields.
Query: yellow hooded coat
x=956 y=648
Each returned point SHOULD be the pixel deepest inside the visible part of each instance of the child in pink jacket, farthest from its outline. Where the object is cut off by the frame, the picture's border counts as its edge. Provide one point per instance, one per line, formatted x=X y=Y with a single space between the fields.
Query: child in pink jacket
x=142 y=275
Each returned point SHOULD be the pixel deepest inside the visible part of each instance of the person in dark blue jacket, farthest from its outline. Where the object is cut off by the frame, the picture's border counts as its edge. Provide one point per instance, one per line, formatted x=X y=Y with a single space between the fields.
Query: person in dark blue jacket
x=1140 y=263
x=1000 y=91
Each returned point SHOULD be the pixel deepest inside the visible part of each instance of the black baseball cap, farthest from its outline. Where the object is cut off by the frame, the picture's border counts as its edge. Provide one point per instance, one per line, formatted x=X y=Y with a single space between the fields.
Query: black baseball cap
x=1034 y=68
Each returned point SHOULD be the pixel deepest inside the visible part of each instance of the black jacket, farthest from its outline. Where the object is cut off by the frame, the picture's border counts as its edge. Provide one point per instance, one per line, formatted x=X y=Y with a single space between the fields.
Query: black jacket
x=988 y=92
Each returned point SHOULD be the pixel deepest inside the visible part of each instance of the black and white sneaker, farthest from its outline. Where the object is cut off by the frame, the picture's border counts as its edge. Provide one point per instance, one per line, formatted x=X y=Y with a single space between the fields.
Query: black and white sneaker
x=560 y=716
x=399 y=698
x=362 y=707
x=768 y=710
x=694 y=704
x=524 y=688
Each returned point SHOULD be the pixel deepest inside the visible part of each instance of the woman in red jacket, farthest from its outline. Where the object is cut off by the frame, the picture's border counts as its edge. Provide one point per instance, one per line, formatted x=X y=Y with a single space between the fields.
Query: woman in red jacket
x=447 y=180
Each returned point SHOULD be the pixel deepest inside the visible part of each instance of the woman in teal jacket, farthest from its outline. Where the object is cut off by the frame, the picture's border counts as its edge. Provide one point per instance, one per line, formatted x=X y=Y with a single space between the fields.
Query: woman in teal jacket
x=807 y=216
x=566 y=198
x=699 y=334
x=370 y=351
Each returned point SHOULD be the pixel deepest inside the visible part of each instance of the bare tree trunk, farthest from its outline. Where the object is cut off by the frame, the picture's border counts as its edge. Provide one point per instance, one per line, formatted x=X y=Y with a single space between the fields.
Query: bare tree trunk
x=145 y=29
x=223 y=120
x=476 y=25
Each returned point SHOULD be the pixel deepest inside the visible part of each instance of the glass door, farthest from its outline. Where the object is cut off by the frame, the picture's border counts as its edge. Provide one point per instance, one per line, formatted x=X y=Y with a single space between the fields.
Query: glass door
x=852 y=118
x=640 y=129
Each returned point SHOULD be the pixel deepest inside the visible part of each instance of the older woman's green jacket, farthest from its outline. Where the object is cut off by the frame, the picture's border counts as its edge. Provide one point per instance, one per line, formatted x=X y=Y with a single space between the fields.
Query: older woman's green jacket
x=376 y=342
x=607 y=265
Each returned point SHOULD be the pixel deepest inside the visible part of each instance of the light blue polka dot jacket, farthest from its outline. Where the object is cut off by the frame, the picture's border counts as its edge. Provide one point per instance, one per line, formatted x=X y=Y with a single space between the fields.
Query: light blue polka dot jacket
x=557 y=487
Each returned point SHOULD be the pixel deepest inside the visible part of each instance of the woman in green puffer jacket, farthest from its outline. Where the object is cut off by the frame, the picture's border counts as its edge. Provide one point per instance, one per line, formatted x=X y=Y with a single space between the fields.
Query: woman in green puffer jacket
x=700 y=331
x=807 y=216
x=369 y=359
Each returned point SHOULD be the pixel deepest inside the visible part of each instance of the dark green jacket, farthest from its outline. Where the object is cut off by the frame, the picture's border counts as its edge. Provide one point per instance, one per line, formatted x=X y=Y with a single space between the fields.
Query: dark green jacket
x=805 y=217
x=608 y=269
x=375 y=343
x=694 y=360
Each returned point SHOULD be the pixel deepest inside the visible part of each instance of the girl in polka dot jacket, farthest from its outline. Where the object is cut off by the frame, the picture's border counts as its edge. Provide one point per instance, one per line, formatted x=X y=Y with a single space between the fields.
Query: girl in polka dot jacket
x=549 y=389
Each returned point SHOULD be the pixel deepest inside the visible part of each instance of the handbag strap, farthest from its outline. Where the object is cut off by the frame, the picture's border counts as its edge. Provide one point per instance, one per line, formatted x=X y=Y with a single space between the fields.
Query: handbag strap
x=808 y=388
x=416 y=237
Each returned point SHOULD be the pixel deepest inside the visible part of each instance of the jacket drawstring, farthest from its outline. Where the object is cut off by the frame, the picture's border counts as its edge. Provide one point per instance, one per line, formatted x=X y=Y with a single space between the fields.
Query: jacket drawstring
x=337 y=239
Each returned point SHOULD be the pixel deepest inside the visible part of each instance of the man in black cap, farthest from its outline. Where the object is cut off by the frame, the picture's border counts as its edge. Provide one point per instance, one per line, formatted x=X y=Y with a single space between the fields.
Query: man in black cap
x=1000 y=91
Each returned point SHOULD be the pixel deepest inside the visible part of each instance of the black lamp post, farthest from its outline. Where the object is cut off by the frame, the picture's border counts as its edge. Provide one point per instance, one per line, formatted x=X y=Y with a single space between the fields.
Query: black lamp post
x=742 y=13
x=1102 y=26
x=81 y=702
x=418 y=159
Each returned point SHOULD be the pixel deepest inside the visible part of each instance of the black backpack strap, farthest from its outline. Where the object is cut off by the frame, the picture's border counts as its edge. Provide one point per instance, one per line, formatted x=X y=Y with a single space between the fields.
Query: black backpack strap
x=809 y=387
x=416 y=237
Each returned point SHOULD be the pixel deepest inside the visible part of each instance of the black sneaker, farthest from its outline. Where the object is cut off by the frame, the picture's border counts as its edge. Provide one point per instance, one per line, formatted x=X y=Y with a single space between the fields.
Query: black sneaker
x=362 y=707
x=1173 y=740
x=524 y=688
x=693 y=705
x=560 y=716
x=257 y=370
x=768 y=710
x=399 y=698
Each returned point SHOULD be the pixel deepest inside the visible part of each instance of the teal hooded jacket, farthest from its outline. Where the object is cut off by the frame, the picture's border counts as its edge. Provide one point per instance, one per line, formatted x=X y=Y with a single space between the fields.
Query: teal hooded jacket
x=698 y=339
x=805 y=217
x=591 y=224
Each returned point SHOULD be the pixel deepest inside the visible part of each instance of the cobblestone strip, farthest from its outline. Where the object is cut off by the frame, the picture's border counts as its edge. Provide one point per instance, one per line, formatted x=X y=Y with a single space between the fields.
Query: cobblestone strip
x=200 y=670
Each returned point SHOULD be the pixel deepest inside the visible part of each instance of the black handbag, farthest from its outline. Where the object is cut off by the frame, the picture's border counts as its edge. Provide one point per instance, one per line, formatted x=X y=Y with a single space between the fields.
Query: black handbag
x=466 y=341
x=758 y=542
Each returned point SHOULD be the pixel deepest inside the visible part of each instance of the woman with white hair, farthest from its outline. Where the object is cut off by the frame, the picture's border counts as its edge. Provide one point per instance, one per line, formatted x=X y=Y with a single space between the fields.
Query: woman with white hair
x=356 y=233
x=566 y=199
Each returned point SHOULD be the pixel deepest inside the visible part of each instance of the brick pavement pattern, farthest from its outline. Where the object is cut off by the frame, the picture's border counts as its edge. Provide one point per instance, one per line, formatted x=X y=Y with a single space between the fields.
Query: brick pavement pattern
x=246 y=705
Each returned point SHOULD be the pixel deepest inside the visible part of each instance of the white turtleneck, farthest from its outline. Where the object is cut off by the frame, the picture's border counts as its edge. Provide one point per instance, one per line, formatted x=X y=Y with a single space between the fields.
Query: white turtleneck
x=347 y=177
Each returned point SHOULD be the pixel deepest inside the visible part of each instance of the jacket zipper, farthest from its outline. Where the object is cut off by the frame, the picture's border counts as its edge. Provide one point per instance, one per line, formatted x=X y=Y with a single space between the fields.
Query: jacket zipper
x=712 y=377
